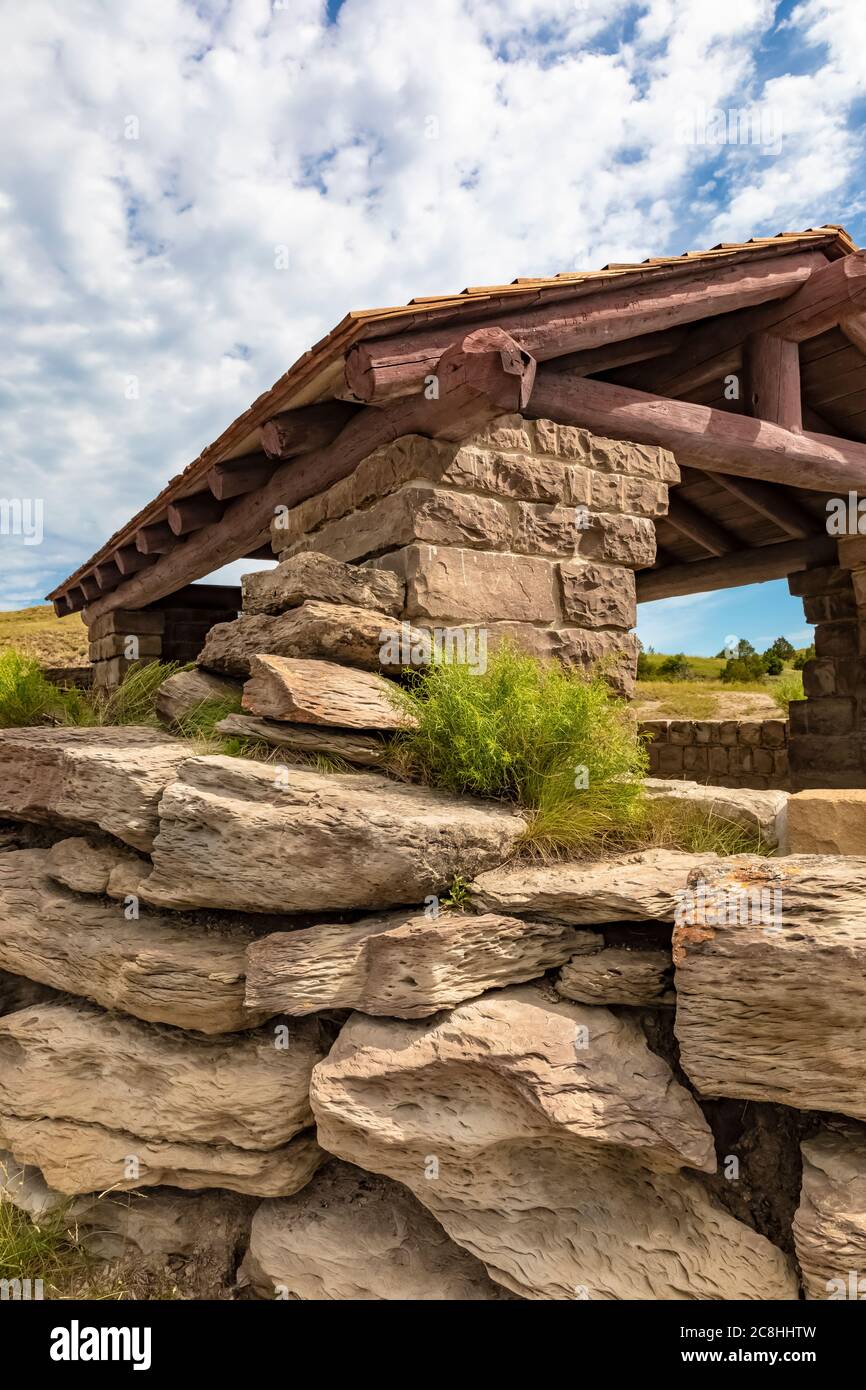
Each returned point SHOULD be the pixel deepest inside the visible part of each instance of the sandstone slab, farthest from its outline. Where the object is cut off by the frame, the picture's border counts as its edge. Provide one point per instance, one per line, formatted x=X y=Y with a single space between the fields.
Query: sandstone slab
x=830 y=1223
x=402 y=966
x=88 y=864
x=315 y=631
x=547 y=1140
x=108 y=777
x=245 y=835
x=70 y=1062
x=827 y=822
x=643 y=886
x=311 y=575
x=764 y=813
x=321 y=692
x=359 y=748
x=456 y=585
x=618 y=975
x=770 y=961
x=433 y=515
x=78 y=1157
x=186 y=691
x=152 y=966
x=354 y=1236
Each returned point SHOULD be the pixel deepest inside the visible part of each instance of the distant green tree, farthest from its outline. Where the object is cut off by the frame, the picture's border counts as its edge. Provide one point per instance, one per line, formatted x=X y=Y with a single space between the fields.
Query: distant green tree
x=781 y=648
x=744 y=668
x=773 y=664
x=803 y=655
x=675 y=668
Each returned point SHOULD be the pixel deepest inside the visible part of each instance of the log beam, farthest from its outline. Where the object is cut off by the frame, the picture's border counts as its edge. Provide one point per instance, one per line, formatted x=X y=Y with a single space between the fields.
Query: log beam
x=187 y=514
x=773 y=375
x=107 y=575
x=156 y=539
x=717 y=441
x=833 y=295
x=740 y=567
x=378 y=369
x=234 y=477
x=484 y=375
x=300 y=431
x=692 y=522
x=774 y=503
x=129 y=560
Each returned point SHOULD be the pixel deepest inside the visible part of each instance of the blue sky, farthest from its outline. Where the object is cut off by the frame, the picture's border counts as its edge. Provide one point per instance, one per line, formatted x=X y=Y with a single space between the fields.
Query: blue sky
x=196 y=192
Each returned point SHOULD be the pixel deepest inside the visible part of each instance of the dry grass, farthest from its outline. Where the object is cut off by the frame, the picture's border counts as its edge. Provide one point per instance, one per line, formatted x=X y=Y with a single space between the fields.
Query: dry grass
x=37 y=632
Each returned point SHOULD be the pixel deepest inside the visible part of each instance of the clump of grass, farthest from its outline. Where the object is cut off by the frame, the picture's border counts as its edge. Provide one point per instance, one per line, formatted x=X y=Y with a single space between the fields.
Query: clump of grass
x=457 y=897
x=555 y=742
x=680 y=825
x=27 y=697
x=134 y=701
x=49 y=1248
x=788 y=688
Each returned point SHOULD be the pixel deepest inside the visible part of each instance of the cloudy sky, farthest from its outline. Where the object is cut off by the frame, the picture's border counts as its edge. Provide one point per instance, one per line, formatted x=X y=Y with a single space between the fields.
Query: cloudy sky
x=193 y=193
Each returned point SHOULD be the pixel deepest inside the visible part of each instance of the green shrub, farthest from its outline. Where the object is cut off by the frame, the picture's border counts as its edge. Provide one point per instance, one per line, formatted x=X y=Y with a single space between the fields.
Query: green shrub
x=675 y=668
x=740 y=669
x=555 y=742
x=804 y=655
x=787 y=689
x=773 y=665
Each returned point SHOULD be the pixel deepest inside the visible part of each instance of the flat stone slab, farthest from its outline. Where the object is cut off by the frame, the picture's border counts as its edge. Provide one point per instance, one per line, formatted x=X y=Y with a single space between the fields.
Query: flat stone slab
x=106 y=777
x=770 y=961
x=249 y=836
x=359 y=748
x=617 y=975
x=311 y=575
x=830 y=1222
x=153 y=966
x=762 y=812
x=546 y=1138
x=827 y=822
x=321 y=692
x=355 y=1236
x=642 y=886
x=100 y=1102
x=316 y=631
x=398 y=965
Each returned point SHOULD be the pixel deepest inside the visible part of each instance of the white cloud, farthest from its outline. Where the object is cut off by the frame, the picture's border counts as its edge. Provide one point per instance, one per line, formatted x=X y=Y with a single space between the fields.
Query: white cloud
x=151 y=260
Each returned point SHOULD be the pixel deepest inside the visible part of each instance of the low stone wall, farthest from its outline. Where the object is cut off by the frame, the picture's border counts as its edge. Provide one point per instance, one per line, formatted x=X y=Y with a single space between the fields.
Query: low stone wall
x=721 y=752
x=239 y=999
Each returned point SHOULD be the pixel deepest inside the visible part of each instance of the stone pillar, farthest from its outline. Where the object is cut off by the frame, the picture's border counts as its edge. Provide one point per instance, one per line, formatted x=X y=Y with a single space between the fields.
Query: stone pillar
x=826 y=745
x=529 y=530
x=173 y=629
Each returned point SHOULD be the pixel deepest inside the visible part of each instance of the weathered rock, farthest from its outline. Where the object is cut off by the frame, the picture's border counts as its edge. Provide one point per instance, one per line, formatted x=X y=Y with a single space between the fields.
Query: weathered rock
x=617 y=975
x=827 y=822
x=315 y=631
x=762 y=812
x=830 y=1224
x=399 y=965
x=186 y=691
x=770 y=959
x=355 y=1236
x=321 y=692
x=312 y=575
x=642 y=886
x=244 y=835
x=77 y=1157
x=364 y=750
x=545 y=1138
x=72 y=1065
x=445 y=585
x=109 y=777
x=152 y=966
x=88 y=864
x=598 y=595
